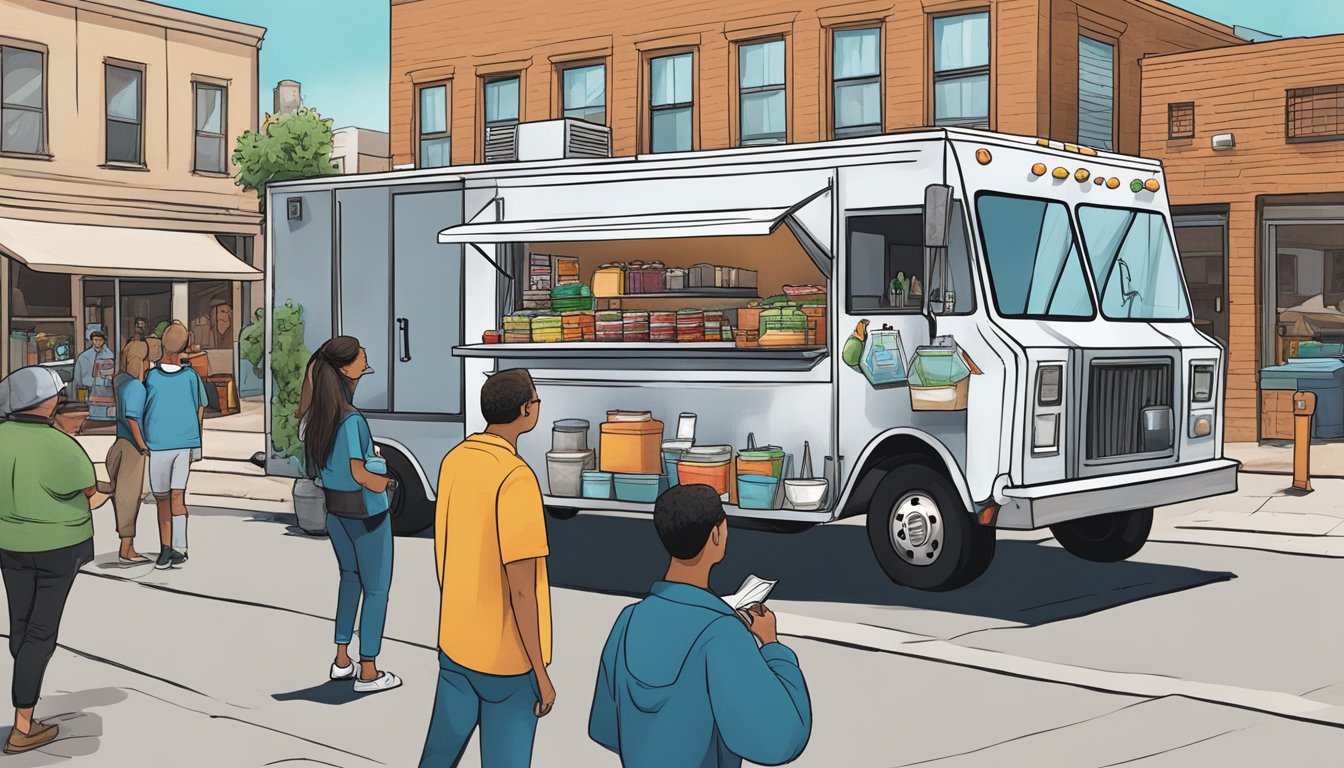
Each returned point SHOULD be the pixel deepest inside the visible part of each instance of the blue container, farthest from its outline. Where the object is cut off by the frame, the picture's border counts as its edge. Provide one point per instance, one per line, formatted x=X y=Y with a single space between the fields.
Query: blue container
x=1323 y=376
x=757 y=491
x=640 y=488
x=670 y=459
x=596 y=485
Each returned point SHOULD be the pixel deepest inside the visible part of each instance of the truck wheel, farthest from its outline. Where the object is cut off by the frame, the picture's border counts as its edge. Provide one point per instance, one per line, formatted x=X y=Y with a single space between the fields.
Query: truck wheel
x=921 y=534
x=411 y=509
x=1106 y=538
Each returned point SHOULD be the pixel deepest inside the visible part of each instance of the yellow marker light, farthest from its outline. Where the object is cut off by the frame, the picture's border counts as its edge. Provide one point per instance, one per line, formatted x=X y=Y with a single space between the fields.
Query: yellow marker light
x=1038 y=169
x=1151 y=185
x=1112 y=183
x=1060 y=173
x=1088 y=151
x=1082 y=174
x=982 y=156
x=1099 y=180
x=1070 y=148
x=1042 y=142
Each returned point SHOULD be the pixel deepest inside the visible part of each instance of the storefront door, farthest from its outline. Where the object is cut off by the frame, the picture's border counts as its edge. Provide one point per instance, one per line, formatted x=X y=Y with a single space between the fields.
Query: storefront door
x=1201 y=240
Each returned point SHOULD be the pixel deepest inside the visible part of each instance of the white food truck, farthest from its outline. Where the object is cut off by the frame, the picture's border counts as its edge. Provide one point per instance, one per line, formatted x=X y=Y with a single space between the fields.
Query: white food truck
x=969 y=331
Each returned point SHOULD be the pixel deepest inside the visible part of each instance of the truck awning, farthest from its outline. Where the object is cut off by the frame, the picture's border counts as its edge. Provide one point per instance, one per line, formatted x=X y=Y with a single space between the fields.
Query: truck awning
x=85 y=249
x=646 y=226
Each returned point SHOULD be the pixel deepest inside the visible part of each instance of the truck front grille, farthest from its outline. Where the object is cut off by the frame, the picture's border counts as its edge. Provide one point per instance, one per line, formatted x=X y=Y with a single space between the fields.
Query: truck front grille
x=1117 y=395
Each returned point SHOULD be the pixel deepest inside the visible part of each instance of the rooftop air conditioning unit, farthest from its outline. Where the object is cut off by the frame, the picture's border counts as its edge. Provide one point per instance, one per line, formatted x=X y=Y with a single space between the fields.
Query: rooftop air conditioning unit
x=547 y=140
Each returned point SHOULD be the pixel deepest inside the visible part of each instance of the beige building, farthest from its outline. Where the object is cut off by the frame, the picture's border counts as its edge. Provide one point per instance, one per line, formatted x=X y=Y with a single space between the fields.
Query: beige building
x=117 y=207
x=360 y=150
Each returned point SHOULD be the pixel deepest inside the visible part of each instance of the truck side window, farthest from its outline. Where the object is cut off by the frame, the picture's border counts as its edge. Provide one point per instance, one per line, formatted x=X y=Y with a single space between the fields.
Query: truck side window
x=886 y=253
x=958 y=272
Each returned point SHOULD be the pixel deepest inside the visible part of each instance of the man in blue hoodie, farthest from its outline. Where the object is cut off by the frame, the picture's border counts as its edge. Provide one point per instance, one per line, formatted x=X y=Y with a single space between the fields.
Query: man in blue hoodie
x=683 y=680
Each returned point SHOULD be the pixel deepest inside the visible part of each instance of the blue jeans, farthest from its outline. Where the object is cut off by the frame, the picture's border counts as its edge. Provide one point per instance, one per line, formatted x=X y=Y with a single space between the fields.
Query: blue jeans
x=503 y=707
x=364 y=553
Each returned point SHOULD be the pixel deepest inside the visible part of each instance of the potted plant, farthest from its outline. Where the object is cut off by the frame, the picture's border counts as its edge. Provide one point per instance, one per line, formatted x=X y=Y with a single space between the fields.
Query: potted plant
x=289 y=361
x=897 y=290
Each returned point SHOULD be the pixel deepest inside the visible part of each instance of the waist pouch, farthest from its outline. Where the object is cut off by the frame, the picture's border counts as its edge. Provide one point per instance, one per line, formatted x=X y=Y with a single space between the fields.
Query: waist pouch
x=346 y=504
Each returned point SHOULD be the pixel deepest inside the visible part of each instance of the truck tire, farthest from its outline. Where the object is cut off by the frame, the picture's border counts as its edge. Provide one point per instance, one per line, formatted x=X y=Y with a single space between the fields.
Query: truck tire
x=1106 y=538
x=411 y=509
x=922 y=535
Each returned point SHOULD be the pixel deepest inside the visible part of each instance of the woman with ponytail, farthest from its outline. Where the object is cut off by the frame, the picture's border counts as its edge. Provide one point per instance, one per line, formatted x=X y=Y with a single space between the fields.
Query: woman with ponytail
x=341 y=456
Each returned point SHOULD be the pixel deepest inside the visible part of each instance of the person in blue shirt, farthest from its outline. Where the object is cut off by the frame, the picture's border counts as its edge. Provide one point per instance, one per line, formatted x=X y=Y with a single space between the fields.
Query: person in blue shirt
x=685 y=681
x=126 y=458
x=342 y=458
x=174 y=410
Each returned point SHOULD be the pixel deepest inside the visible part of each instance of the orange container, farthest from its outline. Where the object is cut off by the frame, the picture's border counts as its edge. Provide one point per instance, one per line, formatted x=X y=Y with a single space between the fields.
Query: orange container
x=632 y=447
x=714 y=475
x=816 y=324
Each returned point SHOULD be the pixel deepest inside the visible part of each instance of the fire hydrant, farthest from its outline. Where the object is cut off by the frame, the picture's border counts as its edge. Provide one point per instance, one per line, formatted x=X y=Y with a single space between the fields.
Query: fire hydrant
x=1304 y=406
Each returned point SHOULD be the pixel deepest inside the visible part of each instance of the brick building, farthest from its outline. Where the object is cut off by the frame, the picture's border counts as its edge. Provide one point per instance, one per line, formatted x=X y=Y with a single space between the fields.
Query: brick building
x=1255 y=174
x=709 y=75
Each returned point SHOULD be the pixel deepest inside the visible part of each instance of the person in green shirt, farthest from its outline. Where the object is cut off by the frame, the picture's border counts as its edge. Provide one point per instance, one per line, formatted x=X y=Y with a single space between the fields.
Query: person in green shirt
x=47 y=491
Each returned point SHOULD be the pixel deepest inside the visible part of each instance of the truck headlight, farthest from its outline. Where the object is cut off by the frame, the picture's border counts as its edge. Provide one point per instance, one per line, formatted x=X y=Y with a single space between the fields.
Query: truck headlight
x=1201 y=382
x=1049 y=385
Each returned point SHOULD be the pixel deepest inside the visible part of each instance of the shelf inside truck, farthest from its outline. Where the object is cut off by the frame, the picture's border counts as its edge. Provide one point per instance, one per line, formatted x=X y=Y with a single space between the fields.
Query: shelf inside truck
x=650 y=356
x=613 y=505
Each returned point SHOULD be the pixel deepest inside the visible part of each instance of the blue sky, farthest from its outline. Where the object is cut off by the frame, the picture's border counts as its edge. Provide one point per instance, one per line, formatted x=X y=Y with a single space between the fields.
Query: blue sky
x=338 y=49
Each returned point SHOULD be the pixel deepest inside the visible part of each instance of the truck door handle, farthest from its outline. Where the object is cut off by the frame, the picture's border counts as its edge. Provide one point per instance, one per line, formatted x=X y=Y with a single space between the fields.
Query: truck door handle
x=404 y=326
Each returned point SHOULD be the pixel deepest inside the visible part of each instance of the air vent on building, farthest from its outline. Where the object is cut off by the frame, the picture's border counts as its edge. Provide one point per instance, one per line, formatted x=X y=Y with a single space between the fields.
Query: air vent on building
x=585 y=139
x=501 y=143
x=546 y=140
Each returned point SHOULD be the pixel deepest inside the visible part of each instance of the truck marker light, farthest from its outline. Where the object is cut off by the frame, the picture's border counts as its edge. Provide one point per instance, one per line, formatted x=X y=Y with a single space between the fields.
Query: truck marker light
x=1151 y=185
x=1099 y=180
x=982 y=156
x=1060 y=173
x=1203 y=426
x=1112 y=183
x=1038 y=169
x=1082 y=174
x=1042 y=142
x=987 y=515
x=1136 y=186
x=1088 y=151
x=1070 y=148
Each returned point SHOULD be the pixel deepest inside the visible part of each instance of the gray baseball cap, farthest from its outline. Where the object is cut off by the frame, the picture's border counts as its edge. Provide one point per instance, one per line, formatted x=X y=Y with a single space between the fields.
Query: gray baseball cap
x=28 y=388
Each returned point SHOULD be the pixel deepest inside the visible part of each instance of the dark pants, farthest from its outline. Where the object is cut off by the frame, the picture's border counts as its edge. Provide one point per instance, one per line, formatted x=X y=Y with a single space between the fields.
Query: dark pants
x=37 y=584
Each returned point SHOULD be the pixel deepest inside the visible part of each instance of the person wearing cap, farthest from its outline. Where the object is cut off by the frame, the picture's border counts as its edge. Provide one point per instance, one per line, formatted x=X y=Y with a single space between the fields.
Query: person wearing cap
x=174 y=410
x=47 y=492
x=94 y=365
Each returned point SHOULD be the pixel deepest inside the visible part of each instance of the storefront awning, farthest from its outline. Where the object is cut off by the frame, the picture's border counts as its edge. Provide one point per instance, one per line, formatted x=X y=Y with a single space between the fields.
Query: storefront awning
x=84 y=249
x=647 y=226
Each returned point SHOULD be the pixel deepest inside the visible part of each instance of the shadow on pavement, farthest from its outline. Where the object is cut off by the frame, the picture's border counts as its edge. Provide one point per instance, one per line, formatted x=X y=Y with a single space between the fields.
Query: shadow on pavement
x=81 y=731
x=1029 y=583
x=332 y=692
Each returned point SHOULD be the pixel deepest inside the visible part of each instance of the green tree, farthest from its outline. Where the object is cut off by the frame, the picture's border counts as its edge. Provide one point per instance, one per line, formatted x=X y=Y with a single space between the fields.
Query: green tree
x=288 y=146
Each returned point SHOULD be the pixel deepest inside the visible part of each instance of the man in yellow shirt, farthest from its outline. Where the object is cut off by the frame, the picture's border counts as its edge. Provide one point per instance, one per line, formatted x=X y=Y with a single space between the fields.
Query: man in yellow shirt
x=495 y=612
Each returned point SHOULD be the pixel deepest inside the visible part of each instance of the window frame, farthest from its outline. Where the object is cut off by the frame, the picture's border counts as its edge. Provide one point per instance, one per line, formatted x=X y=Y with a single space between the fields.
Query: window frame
x=1098 y=289
x=44 y=111
x=936 y=77
x=783 y=87
x=1291 y=93
x=446 y=133
x=486 y=122
x=1171 y=120
x=873 y=213
x=141 y=71
x=1114 y=45
x=198 y=133
x=650 y=110
x=565 y=67
x=1078 y=246
x=850 y=132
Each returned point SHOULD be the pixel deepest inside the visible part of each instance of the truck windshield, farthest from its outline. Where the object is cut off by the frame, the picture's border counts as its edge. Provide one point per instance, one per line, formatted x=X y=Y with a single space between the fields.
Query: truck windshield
x=1133 y=264
x=1034 y=266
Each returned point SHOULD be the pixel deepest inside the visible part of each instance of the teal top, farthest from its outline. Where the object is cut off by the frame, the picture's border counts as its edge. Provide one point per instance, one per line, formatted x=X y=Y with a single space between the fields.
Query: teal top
x=353 y=440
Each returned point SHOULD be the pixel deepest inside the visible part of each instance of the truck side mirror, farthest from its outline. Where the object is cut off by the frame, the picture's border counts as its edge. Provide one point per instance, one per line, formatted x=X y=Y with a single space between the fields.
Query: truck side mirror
x=937 y=215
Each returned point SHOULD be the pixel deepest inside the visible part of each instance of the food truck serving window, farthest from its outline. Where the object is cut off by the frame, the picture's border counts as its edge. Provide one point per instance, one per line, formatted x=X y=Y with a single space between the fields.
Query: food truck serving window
x=1035 y=269
x=1133 y=264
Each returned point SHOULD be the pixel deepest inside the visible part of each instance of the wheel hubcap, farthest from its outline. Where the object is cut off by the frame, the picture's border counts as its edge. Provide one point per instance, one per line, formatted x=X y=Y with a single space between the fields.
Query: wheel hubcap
x=917 y=529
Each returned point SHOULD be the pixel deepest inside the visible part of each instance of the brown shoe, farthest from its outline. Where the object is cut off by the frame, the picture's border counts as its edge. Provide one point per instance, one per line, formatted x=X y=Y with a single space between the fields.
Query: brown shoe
x=41 y=735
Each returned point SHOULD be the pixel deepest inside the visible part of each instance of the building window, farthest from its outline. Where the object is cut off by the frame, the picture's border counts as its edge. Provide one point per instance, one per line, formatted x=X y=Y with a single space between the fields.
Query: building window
x=501 y=101
x=22 y=110
x=856 y=81
x=761 y=99
x=961 y=70
x=584 y=93
x=125 y=114
x=435 y=124
x=1096 y=93
x=671 y=103
x=1316 y=114
x=211 y=122
x=1181 y=120
x=210 y=307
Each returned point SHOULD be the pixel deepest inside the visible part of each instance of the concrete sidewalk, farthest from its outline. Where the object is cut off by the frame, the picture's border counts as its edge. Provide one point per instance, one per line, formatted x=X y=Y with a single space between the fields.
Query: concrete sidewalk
x=1276 y=457
x=1264 y=513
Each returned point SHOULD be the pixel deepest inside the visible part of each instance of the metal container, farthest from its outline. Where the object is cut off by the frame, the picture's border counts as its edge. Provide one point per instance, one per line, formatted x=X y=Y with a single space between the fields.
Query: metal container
x=564 y=471
x=570 y=435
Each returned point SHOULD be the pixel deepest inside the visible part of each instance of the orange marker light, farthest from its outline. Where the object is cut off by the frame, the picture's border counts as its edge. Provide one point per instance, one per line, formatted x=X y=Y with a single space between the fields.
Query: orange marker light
x=1042 y=142
x=1060 y=173
x=1151 y=185
x=1082 y=174
x=1070 y=148
x=1088 y=151
x=1112 y=183
x=1099 y=180
x=982 y=156
x=1038 y=169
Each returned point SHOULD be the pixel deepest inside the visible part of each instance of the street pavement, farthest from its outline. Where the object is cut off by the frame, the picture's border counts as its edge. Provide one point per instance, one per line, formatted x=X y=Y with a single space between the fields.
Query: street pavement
x=1193 y=653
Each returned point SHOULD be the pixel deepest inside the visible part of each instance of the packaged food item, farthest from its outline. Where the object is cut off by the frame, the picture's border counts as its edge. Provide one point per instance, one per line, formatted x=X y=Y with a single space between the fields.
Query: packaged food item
x=547 y=328
x=634 y=326
x=663 y=326
x=646 y=278
x=746 y=278
x=690 y=325
x=714 y=322
x=492 y=337
x=676 y=279
x=540 y=300
x=816 y=324
x=609 y=280
x=609 y=326
x=572 y=297
x=631 y=447
x=578 y=326
x=783 y=326
x=517 y=329
x=700 y=276
x=565 y=270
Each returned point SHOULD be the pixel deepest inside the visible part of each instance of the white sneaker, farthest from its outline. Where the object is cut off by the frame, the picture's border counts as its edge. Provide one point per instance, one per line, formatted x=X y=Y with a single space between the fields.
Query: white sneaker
x=385 y=681
x=344 y=673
